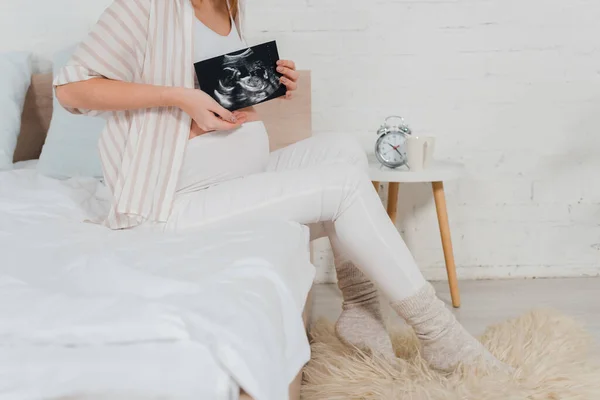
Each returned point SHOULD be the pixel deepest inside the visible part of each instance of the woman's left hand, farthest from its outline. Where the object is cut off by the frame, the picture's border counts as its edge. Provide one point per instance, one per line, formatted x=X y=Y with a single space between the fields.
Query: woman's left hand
x=290 y=76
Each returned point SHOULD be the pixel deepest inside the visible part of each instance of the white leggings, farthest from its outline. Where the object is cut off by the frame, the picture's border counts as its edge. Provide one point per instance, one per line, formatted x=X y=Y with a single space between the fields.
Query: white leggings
x=321 y=179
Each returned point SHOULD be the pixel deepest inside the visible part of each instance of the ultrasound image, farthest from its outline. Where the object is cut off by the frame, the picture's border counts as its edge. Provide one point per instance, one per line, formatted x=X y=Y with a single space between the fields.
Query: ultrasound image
x=242 y=79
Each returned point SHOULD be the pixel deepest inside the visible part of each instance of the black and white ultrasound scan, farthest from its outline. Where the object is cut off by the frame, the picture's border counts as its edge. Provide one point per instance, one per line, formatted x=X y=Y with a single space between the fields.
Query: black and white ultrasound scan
x=243 y=78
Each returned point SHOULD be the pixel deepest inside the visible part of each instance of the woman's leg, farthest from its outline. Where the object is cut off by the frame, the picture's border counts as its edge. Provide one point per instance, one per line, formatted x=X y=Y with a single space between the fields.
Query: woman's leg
x=360 y=323
x=344 y=195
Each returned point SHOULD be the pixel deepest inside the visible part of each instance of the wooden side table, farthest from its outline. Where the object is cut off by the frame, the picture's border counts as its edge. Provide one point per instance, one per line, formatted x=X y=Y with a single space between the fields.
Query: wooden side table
x=436 y=174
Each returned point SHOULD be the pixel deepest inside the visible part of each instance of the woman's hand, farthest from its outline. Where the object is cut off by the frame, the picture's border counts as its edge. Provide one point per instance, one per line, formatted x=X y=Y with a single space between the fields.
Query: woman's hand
x=208 y=115
x=290 y=76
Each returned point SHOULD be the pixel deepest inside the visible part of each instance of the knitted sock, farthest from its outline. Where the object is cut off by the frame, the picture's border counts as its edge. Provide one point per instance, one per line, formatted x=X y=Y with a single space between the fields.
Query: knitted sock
x=446 y=344
x=361 y=324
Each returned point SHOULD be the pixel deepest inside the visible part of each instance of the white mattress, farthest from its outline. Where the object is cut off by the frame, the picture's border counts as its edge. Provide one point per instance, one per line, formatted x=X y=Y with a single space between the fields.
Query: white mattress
x=89 y=312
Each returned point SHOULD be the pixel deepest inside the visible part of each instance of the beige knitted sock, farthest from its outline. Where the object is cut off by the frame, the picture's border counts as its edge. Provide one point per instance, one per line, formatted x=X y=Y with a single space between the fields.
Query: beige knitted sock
x=446 y=343
x=361 y=324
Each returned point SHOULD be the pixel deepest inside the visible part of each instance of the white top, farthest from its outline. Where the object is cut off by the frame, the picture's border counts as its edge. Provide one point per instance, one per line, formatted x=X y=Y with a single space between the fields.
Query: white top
x=220 y=156
x=209 y=44
x=439 y=171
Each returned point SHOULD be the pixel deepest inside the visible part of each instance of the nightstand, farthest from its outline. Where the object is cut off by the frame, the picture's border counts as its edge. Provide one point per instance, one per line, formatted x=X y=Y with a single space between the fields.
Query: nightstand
x=436 y=174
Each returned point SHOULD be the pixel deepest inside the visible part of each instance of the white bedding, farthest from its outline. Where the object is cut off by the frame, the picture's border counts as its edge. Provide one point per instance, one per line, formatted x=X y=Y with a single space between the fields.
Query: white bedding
x=88 y=312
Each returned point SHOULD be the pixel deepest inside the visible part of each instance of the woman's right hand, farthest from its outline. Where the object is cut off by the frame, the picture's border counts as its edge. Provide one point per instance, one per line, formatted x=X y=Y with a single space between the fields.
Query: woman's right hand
x=207 y=114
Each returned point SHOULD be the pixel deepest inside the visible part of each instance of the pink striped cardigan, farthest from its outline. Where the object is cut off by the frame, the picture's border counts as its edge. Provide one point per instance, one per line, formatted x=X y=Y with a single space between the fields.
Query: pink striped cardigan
x=142 y=41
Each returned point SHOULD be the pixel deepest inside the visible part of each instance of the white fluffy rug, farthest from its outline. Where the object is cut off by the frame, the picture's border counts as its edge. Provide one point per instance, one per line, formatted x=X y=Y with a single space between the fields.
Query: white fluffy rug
x=551 y=353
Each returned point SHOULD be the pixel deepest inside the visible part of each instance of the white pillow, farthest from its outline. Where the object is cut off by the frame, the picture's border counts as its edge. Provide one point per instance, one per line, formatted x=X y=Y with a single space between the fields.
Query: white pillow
x=15 y=78
x=71 y=147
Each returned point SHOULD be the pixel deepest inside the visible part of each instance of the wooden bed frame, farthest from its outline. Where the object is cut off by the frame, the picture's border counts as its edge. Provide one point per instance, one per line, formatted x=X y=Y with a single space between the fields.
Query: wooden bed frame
x=287 y=122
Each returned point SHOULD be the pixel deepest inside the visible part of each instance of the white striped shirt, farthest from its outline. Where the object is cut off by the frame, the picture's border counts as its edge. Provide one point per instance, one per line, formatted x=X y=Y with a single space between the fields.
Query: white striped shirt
x=141 y=41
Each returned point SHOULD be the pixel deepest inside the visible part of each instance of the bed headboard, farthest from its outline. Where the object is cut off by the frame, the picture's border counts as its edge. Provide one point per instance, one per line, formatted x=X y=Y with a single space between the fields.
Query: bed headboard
x=287 y=121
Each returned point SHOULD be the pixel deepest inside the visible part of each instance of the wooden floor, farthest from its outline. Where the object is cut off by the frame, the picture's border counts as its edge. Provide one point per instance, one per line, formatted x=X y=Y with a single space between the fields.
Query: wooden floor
x=489 y=302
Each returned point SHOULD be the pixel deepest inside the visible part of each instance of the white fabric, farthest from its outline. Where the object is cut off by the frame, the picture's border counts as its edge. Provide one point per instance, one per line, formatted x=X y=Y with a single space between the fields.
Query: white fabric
x=178 y=370
x=209 y=44
x=71 y=294
x=71 y=146
x=317 y=180
x=28 y=164
x=15 y=77
x=221 y=156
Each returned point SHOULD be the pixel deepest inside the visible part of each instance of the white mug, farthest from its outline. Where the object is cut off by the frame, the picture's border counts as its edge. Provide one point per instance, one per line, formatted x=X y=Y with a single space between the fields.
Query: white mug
x=419 y=152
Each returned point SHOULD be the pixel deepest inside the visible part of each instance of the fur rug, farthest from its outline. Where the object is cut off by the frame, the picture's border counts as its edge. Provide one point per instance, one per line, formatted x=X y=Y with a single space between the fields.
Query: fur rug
x=551 y=353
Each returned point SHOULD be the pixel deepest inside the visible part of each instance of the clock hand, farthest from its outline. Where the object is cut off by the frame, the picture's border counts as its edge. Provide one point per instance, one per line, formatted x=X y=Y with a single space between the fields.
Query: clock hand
x=395 y=148
x=389 y=144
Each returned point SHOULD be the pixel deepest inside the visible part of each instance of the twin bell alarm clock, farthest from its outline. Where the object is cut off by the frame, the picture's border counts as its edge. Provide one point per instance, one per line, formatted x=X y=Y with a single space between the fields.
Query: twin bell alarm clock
x=390 y=148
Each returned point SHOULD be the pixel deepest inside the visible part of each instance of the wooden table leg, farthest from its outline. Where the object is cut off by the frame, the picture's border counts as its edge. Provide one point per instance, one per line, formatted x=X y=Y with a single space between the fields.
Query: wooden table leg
x=392 y=207
x=376 y=186
x=442 y=214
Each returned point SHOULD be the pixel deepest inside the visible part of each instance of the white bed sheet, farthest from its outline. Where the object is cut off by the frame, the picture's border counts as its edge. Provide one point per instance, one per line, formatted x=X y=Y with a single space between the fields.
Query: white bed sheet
x=179 y=370
x=79 y=292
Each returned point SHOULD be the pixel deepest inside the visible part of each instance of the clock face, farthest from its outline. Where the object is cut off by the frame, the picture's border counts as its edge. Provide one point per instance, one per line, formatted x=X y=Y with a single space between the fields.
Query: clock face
x=391 y=150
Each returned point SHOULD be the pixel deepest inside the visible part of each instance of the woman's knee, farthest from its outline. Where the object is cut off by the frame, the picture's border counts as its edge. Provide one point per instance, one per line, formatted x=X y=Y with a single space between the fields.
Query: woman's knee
x=339 y=185
x=356 y=178
x=348 y=149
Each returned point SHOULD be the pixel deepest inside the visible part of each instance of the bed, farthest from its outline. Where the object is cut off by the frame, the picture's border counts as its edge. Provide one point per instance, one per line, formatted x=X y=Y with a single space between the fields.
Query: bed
x=86 y=312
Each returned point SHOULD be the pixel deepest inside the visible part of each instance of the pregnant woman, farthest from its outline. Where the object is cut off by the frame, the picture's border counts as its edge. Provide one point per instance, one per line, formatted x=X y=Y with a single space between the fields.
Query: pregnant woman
x=176 y=160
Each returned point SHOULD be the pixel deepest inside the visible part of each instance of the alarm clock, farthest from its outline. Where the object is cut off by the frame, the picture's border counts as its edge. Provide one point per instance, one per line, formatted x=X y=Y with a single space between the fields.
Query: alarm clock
x=390 y=148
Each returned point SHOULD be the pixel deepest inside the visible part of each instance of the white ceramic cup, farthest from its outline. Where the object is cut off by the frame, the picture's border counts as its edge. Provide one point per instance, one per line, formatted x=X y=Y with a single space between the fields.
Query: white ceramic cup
x=419 y=152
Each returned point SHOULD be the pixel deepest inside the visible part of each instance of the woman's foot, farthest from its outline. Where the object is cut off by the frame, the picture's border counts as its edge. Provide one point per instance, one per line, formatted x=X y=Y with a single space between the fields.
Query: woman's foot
x=446 y=343
x=361 y=324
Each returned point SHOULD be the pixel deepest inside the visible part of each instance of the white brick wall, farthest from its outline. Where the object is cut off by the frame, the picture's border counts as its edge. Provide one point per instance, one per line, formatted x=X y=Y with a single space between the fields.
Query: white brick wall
x=510 y=87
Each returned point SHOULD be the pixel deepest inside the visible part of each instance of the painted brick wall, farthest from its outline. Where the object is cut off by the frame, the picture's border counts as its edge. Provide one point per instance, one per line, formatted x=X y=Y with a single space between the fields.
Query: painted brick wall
x=510 y=87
